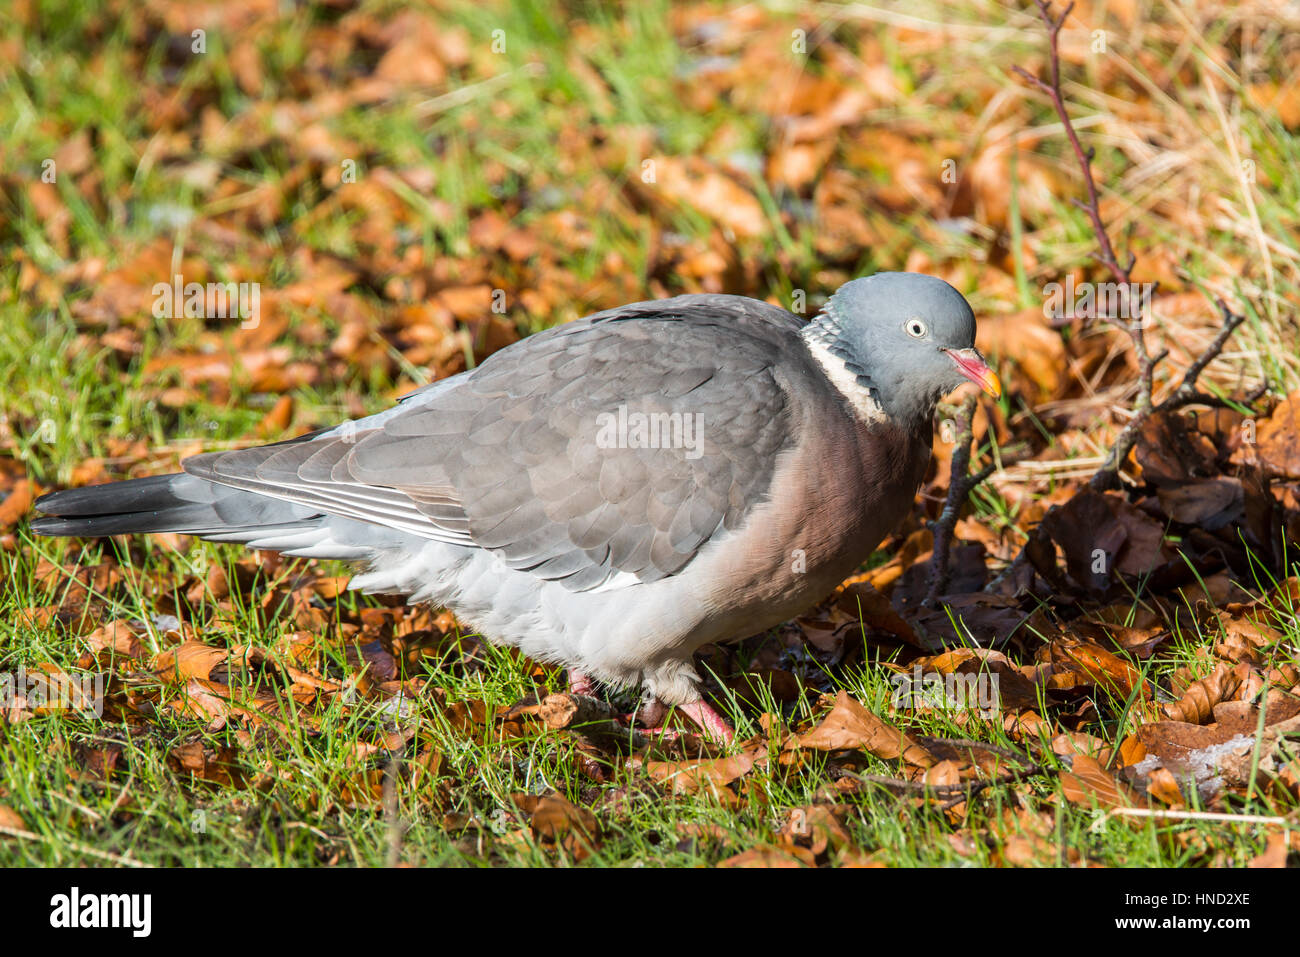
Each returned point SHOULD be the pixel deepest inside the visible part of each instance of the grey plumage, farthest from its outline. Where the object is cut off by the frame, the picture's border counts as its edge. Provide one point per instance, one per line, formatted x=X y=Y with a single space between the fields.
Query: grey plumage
x=781 y=452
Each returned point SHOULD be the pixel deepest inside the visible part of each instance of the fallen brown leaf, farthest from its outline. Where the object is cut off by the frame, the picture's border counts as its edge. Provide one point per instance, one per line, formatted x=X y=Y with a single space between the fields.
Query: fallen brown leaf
x=1276 y=850
x=849 y=725
x=1196 y=706
x=11 y=818
x=16 y=503
x=1087 y=782
x=192 y=659
x=558 y=822
x=771 y=857
x=689 y=777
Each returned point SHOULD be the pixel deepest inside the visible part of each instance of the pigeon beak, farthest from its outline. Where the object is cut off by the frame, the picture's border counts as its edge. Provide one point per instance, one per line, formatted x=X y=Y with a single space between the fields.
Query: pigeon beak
x=972 y=365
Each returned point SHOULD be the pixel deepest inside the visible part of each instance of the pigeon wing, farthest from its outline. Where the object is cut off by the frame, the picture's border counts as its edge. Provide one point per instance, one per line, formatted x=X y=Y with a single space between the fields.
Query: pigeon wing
x=618 y=444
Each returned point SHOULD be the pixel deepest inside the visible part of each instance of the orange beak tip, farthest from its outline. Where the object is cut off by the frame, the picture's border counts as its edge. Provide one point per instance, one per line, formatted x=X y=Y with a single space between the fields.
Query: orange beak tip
x=972 y=365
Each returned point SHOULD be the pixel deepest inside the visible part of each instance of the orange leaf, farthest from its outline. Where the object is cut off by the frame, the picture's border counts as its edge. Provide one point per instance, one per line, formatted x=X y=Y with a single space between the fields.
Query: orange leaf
x=1196 y=706
x=16 y=503
x=772 y=857
x=1089 y=783
x=193 y=659
x=277 y=420
x=688 y=777
x=850 y=725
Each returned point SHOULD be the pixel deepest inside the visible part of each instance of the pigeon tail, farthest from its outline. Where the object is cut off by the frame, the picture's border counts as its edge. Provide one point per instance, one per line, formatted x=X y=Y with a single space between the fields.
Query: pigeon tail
x=162 y=503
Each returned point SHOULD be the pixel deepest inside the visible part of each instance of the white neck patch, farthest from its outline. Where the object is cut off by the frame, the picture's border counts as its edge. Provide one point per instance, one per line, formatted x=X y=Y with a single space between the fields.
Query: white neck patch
x=858 y=396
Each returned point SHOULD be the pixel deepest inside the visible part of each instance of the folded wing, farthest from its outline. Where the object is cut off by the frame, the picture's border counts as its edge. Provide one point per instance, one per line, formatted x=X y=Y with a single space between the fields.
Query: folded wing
x=619 y=444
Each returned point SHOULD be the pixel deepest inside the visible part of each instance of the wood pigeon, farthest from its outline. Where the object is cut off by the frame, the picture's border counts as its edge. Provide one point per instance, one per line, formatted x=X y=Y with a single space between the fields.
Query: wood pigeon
x=612 y=493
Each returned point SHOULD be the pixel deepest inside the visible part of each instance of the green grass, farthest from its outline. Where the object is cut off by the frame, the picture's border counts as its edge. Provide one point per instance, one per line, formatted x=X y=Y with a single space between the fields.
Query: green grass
x=294 y=797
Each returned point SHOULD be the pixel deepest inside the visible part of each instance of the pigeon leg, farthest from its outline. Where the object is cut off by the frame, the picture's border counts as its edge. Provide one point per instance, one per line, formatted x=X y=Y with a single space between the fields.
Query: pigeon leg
x=651 y=714
x=711 y=723
x=714 y=725
x=581 y=683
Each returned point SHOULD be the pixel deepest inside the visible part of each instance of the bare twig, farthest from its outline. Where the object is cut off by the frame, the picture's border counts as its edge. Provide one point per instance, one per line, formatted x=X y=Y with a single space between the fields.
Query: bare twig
x=118 y=859
x=961 y=481
x=1053 y=90
x=592 y=718
x=1144 y=405
x=396 y=826
x=953 y=794
x=1231 y=321
x=1174 y=815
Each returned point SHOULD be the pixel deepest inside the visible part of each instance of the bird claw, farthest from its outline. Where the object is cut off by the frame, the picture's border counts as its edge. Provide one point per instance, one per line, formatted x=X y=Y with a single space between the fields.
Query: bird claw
x=713 y=724
x=649 y=718
x=581 y=683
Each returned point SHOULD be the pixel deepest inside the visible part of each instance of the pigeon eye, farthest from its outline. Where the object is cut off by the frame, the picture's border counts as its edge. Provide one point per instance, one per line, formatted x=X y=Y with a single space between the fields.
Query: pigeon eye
x=915 y=328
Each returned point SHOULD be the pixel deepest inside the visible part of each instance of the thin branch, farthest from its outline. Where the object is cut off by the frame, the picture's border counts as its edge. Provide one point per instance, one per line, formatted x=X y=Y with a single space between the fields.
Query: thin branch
x=79 y=848
x=959 y=487
x=1144 y=405
x=1053 y=90
x=953 y=794
x=1231 y=321
x=1163 y=814
x=961 y=482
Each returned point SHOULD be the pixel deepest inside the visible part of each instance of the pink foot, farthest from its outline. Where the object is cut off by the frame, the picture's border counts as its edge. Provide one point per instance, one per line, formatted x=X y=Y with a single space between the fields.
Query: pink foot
x=651 y=714
x=711 y=723
x=580 y=683
x=700 y=712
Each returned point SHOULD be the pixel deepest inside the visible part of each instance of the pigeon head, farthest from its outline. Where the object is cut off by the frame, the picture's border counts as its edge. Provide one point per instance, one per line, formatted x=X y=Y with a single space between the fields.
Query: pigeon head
x=897 y=342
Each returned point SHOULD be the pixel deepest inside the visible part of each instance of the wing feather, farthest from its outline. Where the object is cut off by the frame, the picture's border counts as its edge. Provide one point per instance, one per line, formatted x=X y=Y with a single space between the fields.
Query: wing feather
x=512 y=457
